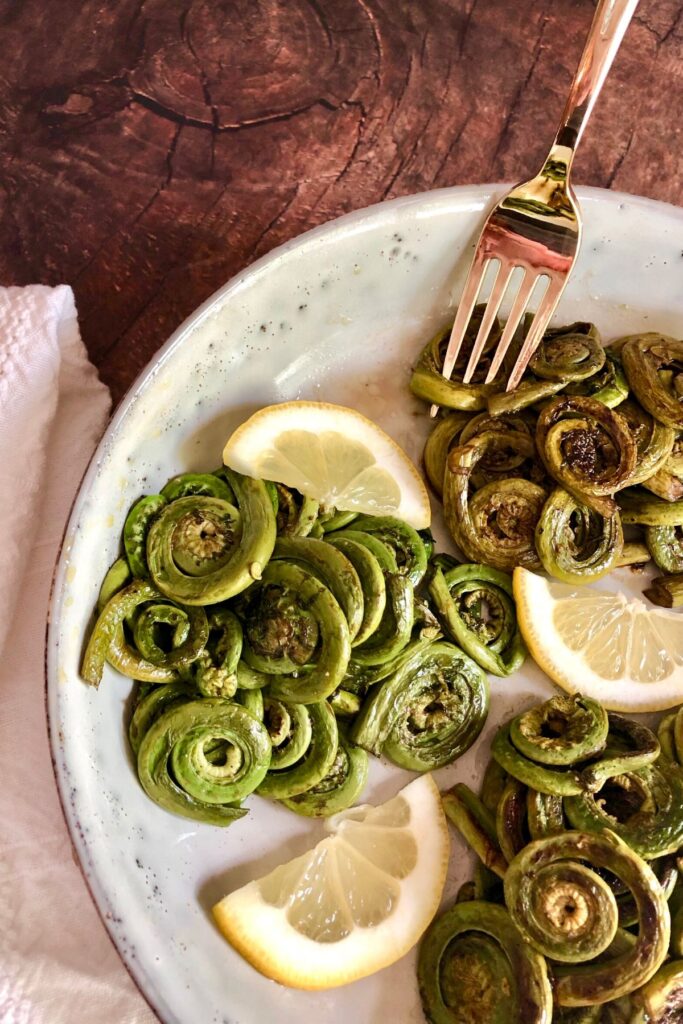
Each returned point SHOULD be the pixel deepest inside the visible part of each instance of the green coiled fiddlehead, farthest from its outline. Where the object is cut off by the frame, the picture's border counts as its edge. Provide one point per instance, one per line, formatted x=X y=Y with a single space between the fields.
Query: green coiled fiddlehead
x=396 y=625
x=295 y=630
x=568 y=354
x=653 y=364
x=608 y=385
x=151 y=706
x=135 y=531
x=644 y=807
x=372 y=582
x=337 y=790
x=654 y=440
x=629 y=746
x=474 y=966
x=189 y=631
x=552 y=781
x=403 y=541
x=511 y=819
x=200 y=758
x=553 y=906
x=296 y=514
x=587 y=448
x=443 y=437
x=660 y=1000
x=290 y=777
x=428 y=382
x=665 y=544
x=562 y=731
x=503 y=460
x=428 y=712
x=215 y=670
x=211 y=485
x=574 y=542
x=202 y=550
x=108 y=642
x=639 y=508
x=496 y=524
x=476 y=606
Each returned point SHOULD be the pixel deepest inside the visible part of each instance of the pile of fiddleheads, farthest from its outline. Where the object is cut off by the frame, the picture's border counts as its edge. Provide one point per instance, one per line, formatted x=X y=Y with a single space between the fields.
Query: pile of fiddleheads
x=575 y=912
x=589 y=443
x=276 y=643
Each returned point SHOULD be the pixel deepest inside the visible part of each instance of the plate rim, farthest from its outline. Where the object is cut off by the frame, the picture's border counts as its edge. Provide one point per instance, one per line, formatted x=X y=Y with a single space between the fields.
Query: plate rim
x=478 y=192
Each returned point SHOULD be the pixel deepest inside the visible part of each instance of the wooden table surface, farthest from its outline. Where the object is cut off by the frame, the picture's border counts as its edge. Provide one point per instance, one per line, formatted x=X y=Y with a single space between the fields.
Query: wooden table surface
x=149 y=149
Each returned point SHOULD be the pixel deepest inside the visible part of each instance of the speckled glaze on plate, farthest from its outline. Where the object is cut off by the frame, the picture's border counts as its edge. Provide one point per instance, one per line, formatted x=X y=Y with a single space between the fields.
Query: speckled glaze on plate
x=337 y=315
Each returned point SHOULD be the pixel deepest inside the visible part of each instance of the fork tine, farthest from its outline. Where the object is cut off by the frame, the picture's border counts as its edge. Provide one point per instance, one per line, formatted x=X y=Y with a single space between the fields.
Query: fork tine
x=464 y=311
x=526 y=287
x=475 y=277
x=503 y=275
x=537 y=329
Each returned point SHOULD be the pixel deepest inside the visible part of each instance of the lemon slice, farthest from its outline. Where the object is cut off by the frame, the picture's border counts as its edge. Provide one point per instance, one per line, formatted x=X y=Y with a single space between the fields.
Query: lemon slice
x=332 y=454
x=353 y=904
x=601 y=644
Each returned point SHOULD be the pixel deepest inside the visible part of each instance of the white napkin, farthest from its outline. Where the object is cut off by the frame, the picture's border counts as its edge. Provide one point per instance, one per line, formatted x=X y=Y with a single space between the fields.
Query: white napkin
x=57 y=964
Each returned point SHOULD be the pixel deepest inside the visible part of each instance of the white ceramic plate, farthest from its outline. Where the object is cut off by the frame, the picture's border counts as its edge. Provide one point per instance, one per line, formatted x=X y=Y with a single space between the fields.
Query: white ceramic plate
x=338 y=315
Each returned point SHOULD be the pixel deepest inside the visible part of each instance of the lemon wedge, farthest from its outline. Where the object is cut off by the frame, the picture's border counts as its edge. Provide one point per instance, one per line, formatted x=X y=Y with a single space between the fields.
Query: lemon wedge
x=332 y=454
x=353 y=904
x=601 y=644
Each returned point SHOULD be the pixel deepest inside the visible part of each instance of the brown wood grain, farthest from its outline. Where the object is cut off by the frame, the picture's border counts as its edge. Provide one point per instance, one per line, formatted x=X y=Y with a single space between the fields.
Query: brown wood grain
x=149 y=149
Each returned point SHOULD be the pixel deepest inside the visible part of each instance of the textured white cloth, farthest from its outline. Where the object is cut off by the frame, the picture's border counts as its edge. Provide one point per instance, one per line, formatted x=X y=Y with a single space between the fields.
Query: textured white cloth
x=57 y=964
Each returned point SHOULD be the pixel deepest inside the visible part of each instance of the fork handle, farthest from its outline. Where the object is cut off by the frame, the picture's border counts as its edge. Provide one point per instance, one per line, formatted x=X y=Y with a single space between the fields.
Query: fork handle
x=611 y=20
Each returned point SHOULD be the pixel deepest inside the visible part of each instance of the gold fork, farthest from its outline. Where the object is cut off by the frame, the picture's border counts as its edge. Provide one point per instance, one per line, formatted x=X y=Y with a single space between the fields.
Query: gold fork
x=536 y=228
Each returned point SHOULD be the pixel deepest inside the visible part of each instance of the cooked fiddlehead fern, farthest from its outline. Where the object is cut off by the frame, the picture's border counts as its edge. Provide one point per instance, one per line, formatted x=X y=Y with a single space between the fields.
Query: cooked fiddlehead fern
x=215 y=670
x=403 y=541
x=653 y=364
x=394 y=630
x=644 y=808
x=337 y=790
x=562 y=908
x=474 y=966
x=372 y=582
x=667 y=482
x=629 y=746
x=654 y=440
x=290 y=777
x=587 y=448
x=202 y=550
x=135 y=530
x=496 y=524
x=108 y=643
x=511 y=819
x=295 y=630
x=443 y=437
x=608 y=385
x=665 y=544
x=571 y=353
x=331 y=566
x=552 y=781
x=151 y=706
x=561 y=731
x=476 y=605
x=296 y=514
x=660 y=1000
x=211 y=485
x=429 y=383
x=574 y=542
x=200 y=758
x=639 y=508
x=429 y=712
x=188 y=628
